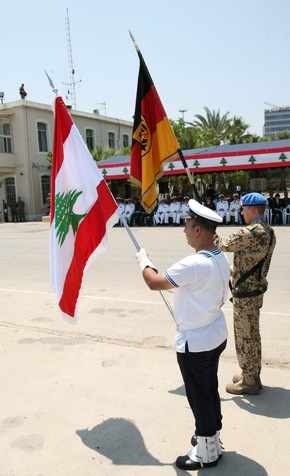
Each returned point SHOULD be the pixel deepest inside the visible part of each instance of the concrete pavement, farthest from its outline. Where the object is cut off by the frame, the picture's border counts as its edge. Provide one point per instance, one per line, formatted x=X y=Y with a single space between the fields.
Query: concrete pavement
x=105 y=396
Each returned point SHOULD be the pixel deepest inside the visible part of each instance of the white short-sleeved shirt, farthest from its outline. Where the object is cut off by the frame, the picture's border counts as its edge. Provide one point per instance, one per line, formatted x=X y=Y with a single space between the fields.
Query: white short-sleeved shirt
x=201 y=285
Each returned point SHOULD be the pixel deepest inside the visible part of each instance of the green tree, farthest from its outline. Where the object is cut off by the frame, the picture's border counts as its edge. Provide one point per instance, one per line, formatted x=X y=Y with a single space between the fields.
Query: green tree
x=188 y=137
x=213 y=127
x=49 y=160
x=103 y=153
x=236 y=131
x=282 y=135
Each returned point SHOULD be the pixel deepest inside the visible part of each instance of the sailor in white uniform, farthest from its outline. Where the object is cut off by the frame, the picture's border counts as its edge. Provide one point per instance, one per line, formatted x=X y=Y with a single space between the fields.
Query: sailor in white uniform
x=222 y=206
x=129 y=210
x=200 y=283
x=234 y=210
x=174 y=209
x=121 y=205
x=183 y=212
x=162 y=214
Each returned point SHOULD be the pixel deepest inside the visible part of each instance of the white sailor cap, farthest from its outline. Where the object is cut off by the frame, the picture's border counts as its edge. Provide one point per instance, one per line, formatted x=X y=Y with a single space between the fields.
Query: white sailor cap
x=197 y=210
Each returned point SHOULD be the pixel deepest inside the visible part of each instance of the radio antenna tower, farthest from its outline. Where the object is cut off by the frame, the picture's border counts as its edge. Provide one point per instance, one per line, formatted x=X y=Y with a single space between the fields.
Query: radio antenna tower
x=72 y=84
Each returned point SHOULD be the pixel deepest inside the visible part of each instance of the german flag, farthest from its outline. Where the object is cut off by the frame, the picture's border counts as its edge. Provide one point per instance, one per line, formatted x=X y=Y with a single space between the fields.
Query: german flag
x=153 y=140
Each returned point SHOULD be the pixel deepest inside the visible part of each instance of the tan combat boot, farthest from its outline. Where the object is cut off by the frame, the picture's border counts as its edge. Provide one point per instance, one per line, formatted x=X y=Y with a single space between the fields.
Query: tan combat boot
x=238 y=377
x=243 y=386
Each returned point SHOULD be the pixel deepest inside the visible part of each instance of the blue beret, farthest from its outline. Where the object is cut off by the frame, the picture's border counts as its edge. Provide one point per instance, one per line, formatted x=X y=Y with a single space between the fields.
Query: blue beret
x=252 y=199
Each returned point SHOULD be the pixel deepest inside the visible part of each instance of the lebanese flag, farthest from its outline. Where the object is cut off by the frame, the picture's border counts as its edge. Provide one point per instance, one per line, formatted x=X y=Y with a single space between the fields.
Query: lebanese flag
x=83 y=210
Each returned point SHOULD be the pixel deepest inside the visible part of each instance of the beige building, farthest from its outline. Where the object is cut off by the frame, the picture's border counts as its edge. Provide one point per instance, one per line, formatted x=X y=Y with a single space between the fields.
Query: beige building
x=26 y=135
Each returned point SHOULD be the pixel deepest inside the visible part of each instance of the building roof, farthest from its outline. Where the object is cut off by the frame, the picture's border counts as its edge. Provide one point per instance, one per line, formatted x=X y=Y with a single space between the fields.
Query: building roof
x=225 y=158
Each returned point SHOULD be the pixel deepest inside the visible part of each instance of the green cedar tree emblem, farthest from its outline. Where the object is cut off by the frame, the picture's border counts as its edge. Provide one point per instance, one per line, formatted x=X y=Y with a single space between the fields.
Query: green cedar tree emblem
x=64 y=215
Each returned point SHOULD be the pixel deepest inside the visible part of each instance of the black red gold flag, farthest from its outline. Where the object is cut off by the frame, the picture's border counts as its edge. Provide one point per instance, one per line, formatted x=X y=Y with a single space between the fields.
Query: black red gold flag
x=153 y=142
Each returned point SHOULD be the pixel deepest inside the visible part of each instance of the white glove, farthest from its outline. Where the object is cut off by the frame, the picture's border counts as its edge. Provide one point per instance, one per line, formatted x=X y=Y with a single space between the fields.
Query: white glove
x=144 y=260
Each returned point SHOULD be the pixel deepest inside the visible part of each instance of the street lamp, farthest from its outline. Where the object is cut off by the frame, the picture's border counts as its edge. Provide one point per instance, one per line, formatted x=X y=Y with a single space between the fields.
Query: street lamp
x=182 y=112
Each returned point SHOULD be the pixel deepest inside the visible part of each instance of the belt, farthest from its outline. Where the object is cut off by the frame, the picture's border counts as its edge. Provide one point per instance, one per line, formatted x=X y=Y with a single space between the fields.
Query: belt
x=189 y=327
x=238 y=295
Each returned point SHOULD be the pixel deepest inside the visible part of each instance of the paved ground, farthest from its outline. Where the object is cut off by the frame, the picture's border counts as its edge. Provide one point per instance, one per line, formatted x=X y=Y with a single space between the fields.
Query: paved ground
x=105 y=397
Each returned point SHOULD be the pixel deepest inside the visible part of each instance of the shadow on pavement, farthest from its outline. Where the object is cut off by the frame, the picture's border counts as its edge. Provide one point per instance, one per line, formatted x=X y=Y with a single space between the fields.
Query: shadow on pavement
x=235 y=464
x=178 y=391
x=272 y=402
x=120 y=441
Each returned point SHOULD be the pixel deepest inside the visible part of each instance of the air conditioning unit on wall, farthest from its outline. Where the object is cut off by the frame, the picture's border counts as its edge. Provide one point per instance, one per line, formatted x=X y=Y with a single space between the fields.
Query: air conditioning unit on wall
x=258 y=184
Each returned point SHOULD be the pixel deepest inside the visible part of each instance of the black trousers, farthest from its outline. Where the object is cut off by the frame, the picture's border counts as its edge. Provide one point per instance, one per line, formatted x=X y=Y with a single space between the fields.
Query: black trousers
x=199 y=371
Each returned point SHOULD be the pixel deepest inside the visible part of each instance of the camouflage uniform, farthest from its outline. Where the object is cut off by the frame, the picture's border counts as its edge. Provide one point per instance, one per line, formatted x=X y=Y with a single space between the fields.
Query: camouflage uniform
x=13 y=210
x=250 y=245
x=20 y=208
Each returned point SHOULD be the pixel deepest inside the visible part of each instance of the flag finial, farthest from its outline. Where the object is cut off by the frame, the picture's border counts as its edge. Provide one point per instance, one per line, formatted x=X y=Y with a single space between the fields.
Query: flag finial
x=133 y=39
x=51 y=83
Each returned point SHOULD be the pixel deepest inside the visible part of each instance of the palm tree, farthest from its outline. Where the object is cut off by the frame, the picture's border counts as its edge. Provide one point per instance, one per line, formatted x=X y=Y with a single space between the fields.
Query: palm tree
x=236 y=131
x=103 y=153
x=188 y=137
x=213 y=126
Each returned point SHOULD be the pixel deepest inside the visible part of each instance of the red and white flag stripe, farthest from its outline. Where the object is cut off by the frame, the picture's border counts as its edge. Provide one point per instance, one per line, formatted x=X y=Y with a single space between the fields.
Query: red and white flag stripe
x=83 y=210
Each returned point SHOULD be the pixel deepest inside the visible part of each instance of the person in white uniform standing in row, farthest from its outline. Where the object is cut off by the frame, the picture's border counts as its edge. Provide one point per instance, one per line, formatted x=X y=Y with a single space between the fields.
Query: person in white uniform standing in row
x=183 y=212
x=222 y=206
x=174 y=209
x=200 y=283
x=162 y=214
x=234 y=210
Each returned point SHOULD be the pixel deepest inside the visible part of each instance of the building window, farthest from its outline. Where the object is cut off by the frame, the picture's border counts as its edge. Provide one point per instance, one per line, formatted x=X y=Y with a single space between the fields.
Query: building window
x=276 y=121
x=125 y=141
x=45 y=188
x=42 y=137
x=5 y=138
x=90 y=139
x=111 y=140
x=10 y=190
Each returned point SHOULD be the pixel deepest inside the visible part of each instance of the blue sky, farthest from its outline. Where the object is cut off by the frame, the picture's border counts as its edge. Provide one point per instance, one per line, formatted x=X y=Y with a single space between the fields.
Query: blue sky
x=226 y=55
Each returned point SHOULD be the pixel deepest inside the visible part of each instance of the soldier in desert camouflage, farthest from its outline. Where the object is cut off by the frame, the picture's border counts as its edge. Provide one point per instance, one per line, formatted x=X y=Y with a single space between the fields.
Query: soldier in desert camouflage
x=253 y=248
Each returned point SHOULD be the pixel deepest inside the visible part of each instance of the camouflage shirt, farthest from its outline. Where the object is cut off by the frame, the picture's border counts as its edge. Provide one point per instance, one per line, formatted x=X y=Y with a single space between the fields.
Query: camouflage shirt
x=250 y=245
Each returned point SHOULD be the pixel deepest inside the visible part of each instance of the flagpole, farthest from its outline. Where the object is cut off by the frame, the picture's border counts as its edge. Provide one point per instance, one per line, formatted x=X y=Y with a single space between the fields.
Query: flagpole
x=184 y=163
x=124 y=222
x=189 y=175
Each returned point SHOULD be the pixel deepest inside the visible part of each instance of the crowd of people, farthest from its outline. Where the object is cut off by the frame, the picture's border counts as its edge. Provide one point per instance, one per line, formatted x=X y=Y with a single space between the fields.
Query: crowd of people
x=167 y=212
x=172 y=211
x=277 y=207
x=14 y=211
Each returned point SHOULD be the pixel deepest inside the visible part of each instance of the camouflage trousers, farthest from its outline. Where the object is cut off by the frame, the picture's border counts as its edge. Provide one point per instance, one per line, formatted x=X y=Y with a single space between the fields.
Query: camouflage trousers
x=247 y=335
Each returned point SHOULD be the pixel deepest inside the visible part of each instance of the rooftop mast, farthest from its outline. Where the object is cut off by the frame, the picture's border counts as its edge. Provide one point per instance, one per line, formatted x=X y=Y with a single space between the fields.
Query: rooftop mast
x=72 y=90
